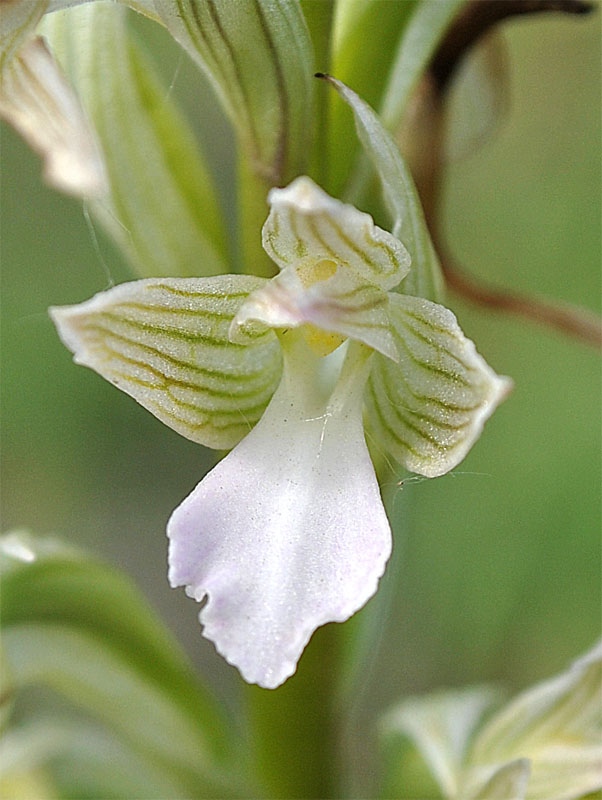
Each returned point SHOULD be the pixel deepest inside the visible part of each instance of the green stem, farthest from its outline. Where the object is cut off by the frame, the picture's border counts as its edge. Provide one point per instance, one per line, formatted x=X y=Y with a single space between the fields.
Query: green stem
x=295 y=728
x=253 y=212
x=366 y=638
x=319 y=17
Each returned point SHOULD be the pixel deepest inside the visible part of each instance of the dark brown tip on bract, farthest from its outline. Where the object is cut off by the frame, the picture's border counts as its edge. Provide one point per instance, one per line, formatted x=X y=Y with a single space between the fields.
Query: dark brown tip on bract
x=322 y=75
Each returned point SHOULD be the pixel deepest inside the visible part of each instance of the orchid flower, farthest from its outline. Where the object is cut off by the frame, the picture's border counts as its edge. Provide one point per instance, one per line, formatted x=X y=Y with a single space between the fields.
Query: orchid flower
x=288 y=531
x=542 y=745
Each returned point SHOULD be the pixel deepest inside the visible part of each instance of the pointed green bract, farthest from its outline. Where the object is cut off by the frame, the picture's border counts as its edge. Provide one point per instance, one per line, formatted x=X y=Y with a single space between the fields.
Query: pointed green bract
x=401 y=197
x=166 y=343
x=258 y=56
x=422 y=34
x=429 y=409
x=162 y=208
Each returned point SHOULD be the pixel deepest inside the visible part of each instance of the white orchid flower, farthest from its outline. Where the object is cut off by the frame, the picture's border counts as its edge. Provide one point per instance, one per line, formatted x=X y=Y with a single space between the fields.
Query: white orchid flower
x=288 y=531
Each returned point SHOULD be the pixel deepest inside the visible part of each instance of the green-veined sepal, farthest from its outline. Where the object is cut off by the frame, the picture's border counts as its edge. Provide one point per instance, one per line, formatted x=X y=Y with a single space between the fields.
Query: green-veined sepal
x=166 y=343
x=162 y=209
x=259 y=57
x=429 y=409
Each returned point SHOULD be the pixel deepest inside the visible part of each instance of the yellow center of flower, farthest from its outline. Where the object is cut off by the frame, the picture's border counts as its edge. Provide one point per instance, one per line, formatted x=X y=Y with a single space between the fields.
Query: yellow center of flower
x=321 y=342
x=316 y=272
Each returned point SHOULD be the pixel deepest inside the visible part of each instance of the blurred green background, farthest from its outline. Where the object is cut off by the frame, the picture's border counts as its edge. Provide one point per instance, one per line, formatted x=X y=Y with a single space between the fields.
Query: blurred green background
x=500 y=562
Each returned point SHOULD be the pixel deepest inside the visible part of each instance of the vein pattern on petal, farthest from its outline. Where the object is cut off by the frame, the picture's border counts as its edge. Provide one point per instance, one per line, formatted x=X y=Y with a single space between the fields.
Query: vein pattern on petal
x=288 y=532
x=306 y=224
x=343 y=303
x=165 y=342
x=429 y=409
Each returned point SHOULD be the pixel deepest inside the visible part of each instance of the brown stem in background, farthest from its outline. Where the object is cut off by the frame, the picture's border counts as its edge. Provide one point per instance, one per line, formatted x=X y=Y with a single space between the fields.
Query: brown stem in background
x=574 y=321
x=476 y=19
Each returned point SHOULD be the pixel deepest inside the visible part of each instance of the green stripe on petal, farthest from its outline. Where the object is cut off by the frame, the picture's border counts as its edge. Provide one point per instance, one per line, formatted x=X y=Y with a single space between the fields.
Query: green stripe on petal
x=429 y=409
x=165 y=342
x=162 y=209
x=306 y=223
x=328 y=299
x=401 y=197
x=258 y=55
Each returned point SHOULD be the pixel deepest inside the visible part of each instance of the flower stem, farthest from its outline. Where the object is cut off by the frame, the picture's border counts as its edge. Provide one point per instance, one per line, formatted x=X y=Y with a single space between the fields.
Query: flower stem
x=319 y=17
x=295 y=728
x=253 y=211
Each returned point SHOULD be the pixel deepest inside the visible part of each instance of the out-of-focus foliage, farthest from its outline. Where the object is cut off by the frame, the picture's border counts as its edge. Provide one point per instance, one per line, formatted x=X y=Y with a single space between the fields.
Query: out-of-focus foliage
x=80 y=628
x=496 y=570
x=545 y=744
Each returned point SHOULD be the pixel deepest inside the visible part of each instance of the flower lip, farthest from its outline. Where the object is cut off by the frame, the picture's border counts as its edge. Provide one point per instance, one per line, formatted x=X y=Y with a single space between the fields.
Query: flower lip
x=288 y=532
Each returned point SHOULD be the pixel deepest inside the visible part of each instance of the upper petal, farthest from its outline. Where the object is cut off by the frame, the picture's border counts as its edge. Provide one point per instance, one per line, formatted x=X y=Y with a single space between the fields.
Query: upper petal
x=165 y=342
x=288 y=532
x=326 y=296
x=305 y=223
x=429 y=409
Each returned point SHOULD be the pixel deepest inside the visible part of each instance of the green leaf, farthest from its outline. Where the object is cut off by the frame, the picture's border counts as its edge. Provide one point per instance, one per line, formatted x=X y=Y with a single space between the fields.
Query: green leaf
x=421 y=36
x=401 y=197
x=166 y=343
x=162 y=208
x=81 y=628
x=441 y=727
x=259 y=57
x=73 y=755
x=430 y=408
